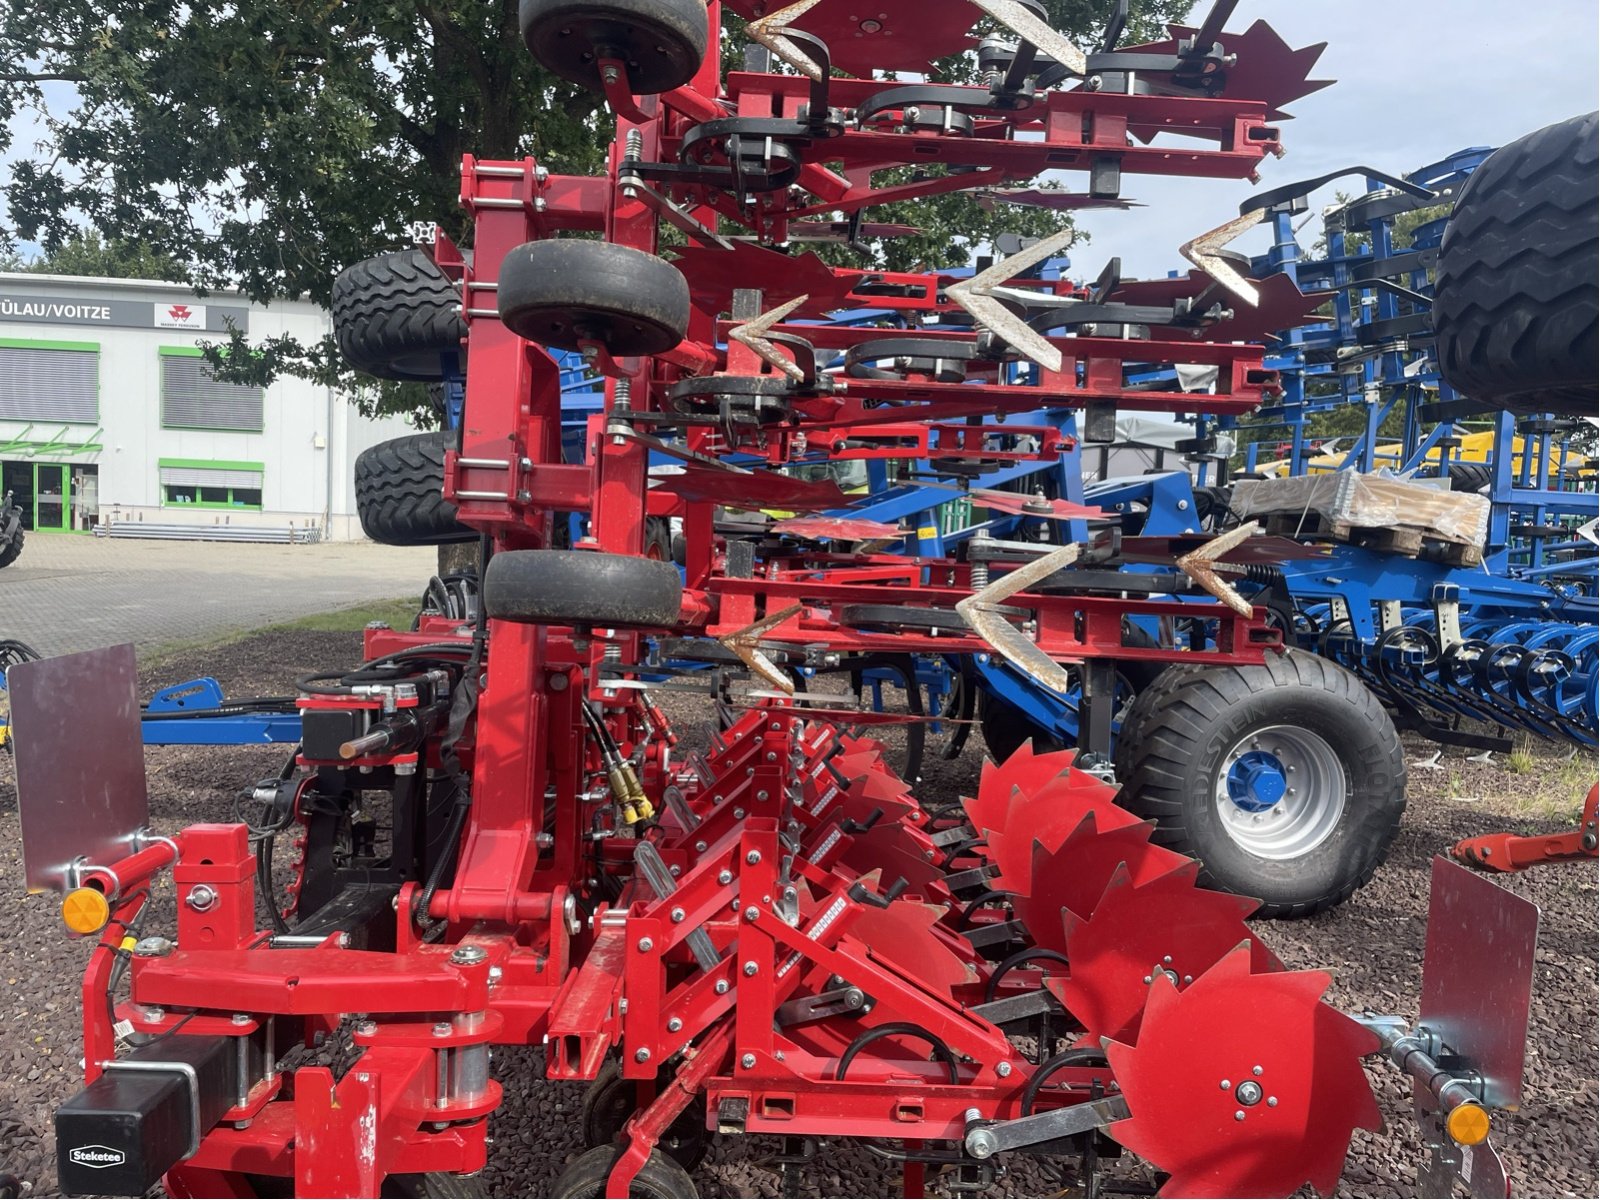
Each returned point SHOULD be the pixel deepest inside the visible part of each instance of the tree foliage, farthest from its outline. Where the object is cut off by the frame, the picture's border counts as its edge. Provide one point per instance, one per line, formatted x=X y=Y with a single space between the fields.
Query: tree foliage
x=266 y=144
x=85 y=252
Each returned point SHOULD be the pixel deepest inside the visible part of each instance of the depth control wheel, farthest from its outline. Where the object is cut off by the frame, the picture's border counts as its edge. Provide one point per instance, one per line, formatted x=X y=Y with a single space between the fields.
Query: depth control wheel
x=581 y=587
x=564 y=292
x=660 y=42
x=659 y=1179
x=611 y=1100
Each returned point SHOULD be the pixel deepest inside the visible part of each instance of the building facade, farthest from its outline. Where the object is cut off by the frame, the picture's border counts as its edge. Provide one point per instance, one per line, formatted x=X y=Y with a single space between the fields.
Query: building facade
x=108 y=414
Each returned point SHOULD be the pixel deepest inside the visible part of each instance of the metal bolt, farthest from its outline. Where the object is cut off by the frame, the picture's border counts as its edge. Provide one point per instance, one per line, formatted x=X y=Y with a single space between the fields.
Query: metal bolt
x=738 y=814
x=642 y=1054
x=645 y=945
x=721 y=987
x=1239 y=1115
x=701 y=847
x=751 y=913
x=241 y=1018
x=468 y=956
x=1248 y=1093
x=750 y=968
x=677 y=915
x=1225 y=1084
x=747 y=1061
x=724 y=876
x=753 y=857
x=201 y=897
x=1167 y=958
x=1003 y=1070
x=1255 y=1070
x=761 y=795
x=1272 y=1102
x=674 y=1024
x=368 y=1028
x=442 y=1029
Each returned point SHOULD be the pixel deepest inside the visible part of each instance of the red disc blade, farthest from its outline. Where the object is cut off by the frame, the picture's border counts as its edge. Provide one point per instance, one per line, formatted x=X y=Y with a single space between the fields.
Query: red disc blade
x=1244 y=1084
x=1073 y=877
x=906 y=934
x=1136 y=933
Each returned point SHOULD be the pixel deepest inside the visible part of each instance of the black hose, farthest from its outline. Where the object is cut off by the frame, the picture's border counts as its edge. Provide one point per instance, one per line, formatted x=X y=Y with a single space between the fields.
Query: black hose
x=1031 y=954
x=941 y=1051
x=1082 y=1056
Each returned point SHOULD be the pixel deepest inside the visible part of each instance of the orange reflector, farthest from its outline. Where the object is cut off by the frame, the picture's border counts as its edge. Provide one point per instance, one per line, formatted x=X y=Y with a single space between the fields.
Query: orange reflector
x=85 y=910
x=1467 y=1125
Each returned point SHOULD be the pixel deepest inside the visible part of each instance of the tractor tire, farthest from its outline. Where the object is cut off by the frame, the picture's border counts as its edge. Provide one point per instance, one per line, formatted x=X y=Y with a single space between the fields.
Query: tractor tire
x=1285 y=780
x=1515 y=305
x=659 y=1179
x=662 y=42
x=582 y=587
x=400 y=492
x=396 y=315
x=564 y=292
x=13 y=549
x=1470 y=476
x=611 y=1100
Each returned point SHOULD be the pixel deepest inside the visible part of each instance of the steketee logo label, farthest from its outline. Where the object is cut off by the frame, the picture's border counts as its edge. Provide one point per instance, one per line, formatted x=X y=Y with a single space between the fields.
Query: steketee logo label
x=96 y=1156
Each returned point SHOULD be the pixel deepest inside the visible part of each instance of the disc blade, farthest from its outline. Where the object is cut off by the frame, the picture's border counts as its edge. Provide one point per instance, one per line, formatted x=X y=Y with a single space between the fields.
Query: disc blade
x=1135 y=934
x=1244 y=1084
x=906 y=934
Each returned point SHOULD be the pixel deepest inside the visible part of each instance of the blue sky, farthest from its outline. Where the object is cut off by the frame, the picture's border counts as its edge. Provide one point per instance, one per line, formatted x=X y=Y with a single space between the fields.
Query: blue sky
x=1417 y=79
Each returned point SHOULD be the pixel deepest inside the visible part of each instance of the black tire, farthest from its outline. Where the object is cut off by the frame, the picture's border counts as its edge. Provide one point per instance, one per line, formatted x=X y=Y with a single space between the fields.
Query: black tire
x=663 y=42
x=1178 y=764
x=13 y=548
x=581 y=587
x=396 y=315
x=659 y=1179
x=1470 y=476
x=611 y=1100
x=1515 y=305
x=433 y=1185
x=400 y=492
x=658 y=539
x=563 y=292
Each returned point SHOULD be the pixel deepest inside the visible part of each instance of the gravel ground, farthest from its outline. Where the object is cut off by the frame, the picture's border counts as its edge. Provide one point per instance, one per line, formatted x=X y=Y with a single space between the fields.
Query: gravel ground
x=1373 y=945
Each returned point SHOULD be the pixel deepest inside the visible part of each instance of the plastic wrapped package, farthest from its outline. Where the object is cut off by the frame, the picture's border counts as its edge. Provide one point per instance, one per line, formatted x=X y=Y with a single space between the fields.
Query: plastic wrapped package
x=1338 y=501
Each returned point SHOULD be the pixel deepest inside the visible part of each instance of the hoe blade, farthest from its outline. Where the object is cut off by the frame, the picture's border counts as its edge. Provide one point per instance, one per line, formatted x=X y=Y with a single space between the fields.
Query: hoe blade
x=1266 y=70
x=1240 y=1042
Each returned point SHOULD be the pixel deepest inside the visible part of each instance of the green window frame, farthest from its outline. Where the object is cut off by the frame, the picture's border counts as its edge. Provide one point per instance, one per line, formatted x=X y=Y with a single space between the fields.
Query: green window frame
x=15 y=374
x=191 y=399
x=208 y=483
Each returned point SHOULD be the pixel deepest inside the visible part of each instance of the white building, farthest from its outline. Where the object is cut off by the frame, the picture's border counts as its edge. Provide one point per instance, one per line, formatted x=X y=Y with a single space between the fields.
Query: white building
x=108 y=414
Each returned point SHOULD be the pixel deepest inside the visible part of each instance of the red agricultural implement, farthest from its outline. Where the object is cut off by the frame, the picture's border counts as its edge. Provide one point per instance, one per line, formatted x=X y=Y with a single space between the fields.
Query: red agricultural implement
x=494 y=837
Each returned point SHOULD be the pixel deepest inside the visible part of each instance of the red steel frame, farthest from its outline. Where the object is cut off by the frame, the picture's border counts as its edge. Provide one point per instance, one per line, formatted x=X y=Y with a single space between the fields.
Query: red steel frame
x=542 y=974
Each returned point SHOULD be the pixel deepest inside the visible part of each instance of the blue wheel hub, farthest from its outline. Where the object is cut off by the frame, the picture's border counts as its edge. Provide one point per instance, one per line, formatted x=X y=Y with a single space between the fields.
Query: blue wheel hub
x=1257 y=781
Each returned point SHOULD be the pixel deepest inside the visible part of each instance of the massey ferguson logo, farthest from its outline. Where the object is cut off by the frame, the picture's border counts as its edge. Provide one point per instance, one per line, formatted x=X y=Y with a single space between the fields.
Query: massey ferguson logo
x=97 y=1156
x=181 y=316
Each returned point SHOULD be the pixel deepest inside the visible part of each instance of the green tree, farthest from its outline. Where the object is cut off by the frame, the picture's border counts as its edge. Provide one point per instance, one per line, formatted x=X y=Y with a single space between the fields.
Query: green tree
x=266 y=144
x=85 y=252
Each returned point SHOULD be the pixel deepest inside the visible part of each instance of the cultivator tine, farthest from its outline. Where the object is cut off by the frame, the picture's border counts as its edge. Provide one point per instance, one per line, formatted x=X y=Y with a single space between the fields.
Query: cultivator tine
x=1136 y=932
x=974 y=296
x=752 y=335
x=746 y=643
x=1244 y=1083
x=1206 y=252
x=1200 y=565
x=1026 y=24
x=769 y=31
x=981 y=610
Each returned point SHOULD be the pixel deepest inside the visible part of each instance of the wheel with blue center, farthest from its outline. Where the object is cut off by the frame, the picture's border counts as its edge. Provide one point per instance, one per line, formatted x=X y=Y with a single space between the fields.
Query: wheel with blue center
x=1284 y=779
